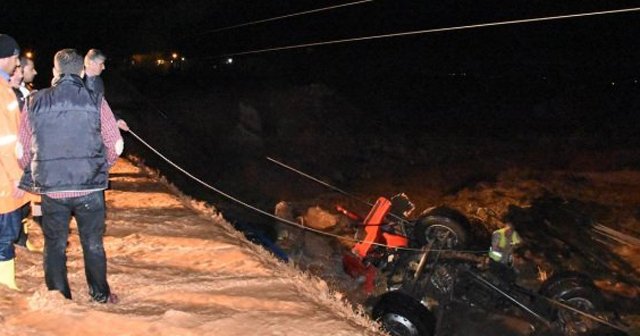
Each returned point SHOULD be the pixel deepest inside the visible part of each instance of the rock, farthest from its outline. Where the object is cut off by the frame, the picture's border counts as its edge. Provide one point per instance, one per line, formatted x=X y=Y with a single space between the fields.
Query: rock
x=320 y=219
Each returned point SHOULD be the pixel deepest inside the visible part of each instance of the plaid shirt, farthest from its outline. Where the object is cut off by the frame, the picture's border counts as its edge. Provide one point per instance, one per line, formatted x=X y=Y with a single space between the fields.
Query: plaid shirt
x=110 y=137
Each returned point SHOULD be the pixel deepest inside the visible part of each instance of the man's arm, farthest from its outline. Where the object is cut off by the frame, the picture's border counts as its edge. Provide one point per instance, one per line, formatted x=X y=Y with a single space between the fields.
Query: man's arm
x=23 y=146
x=110 y=134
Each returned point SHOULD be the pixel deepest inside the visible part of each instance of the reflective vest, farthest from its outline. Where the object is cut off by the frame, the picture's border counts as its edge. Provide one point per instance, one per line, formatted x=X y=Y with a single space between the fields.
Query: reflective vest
x=10 y=172
x=502 y=243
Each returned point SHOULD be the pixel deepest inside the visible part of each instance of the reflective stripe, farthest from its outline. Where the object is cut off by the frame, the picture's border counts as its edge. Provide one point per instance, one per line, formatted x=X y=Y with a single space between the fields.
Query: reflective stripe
x=13 y=105
x=8 y=139
x=19 y=150
x=496 y=256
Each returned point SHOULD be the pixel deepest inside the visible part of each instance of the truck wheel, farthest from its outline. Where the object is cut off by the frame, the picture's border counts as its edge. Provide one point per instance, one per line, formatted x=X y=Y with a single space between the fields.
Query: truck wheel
x=402 y=315
x=575 y=290
x=445 y=227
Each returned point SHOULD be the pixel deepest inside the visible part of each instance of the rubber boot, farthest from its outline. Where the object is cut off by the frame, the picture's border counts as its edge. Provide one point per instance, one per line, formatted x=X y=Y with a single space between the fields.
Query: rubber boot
x=8 y=274
x=22 y=234
x=28 y=244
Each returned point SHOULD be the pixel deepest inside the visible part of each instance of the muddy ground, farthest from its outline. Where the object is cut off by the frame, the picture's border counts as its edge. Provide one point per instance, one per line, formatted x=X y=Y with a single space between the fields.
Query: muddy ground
x=567 y=186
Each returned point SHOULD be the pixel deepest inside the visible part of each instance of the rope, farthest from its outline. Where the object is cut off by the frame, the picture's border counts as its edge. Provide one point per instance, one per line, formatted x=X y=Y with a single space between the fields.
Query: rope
x=435 y=30
x=585 y=314
x=285 y=16
x=556 y=302
x=280 y=219
x=402 y=220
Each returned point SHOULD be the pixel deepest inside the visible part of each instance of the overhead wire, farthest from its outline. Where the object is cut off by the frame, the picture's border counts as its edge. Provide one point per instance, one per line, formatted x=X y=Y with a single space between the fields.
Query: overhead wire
x=285 y=16
x=428 y=31
x=334 y=188
x=482 y=25
x=364 y=38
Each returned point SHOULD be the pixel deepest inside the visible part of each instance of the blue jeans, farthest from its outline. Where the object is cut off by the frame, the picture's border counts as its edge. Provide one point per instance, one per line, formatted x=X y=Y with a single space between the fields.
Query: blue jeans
x=9 y=227
x=89 y=211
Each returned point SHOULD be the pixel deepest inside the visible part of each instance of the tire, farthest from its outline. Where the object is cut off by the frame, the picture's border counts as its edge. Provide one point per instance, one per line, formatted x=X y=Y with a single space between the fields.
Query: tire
x=402 y=315
x=445 y=227
x=576 y=290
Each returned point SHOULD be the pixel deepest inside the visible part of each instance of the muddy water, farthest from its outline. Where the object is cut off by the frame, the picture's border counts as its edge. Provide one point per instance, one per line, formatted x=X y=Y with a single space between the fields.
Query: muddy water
x=485 y=176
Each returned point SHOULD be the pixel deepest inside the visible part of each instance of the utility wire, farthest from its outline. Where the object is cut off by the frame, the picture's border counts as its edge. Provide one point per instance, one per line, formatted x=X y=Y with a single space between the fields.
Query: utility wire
x=285 y=17
x=333 y=188
x=280 y=219
x=435 y=30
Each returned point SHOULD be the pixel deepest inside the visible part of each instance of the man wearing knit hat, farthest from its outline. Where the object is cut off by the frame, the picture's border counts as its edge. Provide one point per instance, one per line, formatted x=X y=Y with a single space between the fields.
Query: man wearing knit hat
x=11 y=198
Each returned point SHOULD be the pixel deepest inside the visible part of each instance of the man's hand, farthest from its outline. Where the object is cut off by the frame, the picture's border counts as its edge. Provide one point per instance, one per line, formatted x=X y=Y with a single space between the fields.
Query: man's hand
x=122 y=125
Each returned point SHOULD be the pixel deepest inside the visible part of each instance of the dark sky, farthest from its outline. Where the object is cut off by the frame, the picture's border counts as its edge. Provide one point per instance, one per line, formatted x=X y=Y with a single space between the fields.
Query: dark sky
x=122 y=27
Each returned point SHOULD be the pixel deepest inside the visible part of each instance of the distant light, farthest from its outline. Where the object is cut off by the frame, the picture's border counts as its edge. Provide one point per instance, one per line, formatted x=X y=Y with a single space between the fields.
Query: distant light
x=160 y=61
x=182 y=59
x=229 y=60
x=174 y=55
x=613 y=83
x=29 y=54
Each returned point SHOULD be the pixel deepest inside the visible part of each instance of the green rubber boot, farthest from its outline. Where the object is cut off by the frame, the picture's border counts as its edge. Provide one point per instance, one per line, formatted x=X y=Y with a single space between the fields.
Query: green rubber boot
x=8 y=274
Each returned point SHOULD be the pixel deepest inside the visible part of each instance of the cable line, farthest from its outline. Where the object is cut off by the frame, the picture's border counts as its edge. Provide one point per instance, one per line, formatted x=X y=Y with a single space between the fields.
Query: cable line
x=562 y=305
x=284 y=17
x=280 y=219
x=435 y=30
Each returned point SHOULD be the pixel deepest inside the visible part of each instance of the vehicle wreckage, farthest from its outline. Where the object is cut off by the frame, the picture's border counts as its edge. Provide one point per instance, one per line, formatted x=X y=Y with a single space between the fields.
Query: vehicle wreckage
x=414 y=272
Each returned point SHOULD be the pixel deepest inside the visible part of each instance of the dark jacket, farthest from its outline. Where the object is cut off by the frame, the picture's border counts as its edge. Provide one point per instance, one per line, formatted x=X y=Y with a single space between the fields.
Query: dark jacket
x=68 y=151
x=95 y=85
x=19 y=97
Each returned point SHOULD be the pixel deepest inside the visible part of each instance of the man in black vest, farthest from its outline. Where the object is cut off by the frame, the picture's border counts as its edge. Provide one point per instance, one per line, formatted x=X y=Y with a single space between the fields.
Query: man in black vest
x=70 y=140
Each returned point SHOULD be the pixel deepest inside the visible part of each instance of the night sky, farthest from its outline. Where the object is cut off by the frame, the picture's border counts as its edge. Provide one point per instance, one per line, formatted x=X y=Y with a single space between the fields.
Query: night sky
x=121 y=28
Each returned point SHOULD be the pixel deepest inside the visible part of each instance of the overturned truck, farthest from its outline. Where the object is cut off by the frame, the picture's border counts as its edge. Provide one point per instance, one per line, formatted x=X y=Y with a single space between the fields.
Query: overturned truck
x=419 y=278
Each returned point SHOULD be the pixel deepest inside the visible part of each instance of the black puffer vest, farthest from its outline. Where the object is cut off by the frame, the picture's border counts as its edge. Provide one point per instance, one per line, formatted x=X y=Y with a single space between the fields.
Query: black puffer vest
x=67 y=150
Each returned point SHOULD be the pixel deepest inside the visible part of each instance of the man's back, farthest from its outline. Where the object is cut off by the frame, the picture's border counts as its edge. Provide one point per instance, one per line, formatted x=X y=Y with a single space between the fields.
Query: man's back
x=66 y=129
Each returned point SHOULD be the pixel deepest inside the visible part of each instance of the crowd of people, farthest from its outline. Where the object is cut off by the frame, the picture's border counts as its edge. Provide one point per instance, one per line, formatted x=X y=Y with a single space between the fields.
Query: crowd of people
x=56 y=147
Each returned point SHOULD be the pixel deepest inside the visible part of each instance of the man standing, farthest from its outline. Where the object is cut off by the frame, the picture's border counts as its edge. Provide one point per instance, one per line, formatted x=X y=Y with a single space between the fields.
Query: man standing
x=11 y=198
x=503 y=242
x=93 y=68
x=16 y=83
x=28 y=74
x=75 y=141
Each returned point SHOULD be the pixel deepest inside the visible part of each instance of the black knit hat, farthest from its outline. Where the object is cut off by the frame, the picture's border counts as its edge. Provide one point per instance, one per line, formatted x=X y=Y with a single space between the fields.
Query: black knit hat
x=8 y=46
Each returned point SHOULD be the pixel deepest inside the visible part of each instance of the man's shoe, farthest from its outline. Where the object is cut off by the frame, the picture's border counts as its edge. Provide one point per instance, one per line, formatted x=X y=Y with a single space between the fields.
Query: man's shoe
x=112 y=298
x=33 y=248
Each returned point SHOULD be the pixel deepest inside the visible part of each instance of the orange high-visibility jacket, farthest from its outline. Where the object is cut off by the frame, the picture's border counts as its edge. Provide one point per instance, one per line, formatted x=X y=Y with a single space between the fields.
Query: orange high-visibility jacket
x=10 y=172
